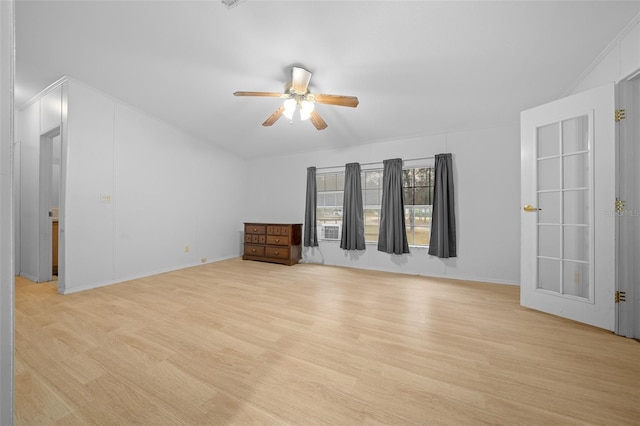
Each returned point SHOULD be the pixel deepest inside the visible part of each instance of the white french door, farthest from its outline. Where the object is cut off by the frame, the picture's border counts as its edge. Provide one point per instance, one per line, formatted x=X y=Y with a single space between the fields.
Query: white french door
x=568 y=199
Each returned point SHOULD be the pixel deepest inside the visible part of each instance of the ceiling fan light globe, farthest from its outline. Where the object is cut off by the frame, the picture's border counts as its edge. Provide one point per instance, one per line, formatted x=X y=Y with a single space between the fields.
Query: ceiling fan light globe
x=289 y=108
x=306 y=108
x=304 y=115
x=288 y=114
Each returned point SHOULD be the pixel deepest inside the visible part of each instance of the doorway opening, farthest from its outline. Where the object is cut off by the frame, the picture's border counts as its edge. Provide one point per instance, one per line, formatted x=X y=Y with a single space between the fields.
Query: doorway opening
x=49 y=204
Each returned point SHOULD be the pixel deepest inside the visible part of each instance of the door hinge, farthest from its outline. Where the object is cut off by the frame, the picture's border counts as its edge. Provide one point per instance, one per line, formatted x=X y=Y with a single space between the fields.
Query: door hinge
x=620 y=205
x=621 y=296
x=620 y=114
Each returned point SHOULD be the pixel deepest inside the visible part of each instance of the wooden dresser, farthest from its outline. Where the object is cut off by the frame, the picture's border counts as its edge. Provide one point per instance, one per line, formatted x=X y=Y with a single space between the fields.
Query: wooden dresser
x=273 y=242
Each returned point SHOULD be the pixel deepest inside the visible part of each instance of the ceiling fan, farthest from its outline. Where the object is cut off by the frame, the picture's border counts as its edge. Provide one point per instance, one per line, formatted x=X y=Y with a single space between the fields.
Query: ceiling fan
x=296 y=94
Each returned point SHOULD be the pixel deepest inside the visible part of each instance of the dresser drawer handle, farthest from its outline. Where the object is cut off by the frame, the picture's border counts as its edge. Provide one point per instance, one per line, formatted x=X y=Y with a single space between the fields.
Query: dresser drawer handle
x=277 y=253
x=277 y=240
x=255 y=229
x=253 y=250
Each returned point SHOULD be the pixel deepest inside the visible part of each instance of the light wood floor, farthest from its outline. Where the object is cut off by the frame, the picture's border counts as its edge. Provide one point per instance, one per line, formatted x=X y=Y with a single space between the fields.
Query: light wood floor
x=241 y=342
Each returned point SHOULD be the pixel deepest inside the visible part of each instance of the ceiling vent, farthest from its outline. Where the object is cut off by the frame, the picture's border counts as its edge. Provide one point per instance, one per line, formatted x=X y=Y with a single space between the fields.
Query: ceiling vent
x=232 y=3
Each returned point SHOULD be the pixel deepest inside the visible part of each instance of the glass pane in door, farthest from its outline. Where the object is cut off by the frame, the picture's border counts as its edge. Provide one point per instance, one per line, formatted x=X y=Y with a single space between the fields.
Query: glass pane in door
x=549 y=204
x=575 y=170
x=549 y=174
x=548 y=140
x=576 y=278
x=549 y=274
x=575 y=241
x=549 y=241
x=575 y=207
x=575 y=135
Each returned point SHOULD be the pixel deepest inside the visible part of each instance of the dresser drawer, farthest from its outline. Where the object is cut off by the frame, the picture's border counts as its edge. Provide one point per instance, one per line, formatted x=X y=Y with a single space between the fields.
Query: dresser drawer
x=254 y=250
x=254 y=229
x=278 y=240
x=255 y=239
x=278 y=252
x=277 y=230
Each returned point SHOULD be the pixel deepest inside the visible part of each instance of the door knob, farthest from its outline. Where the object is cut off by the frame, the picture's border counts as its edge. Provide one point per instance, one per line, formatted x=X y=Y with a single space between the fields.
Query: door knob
x=530 y=208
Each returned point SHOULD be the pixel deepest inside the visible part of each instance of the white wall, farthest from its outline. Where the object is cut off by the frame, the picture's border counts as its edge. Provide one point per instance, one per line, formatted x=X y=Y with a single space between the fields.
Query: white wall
x=86 y=224
x=6 y=212
x=487 y=178
x=139 y=191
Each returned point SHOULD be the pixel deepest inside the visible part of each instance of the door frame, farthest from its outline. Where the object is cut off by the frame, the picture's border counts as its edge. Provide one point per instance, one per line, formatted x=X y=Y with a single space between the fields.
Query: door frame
x=627 y=189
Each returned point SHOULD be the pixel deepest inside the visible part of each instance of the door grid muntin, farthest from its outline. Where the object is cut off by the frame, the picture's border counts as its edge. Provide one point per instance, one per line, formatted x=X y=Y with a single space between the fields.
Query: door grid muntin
x=565 y=198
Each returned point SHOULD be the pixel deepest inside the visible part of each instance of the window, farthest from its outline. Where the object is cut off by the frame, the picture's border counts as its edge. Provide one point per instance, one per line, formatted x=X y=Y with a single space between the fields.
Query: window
x=417 y=188
x=371 y=200
x=330 y=188
x=418 y=197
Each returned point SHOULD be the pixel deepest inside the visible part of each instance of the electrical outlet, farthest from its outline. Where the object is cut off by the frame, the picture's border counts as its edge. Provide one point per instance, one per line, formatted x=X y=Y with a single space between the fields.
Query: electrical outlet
x=186 y=249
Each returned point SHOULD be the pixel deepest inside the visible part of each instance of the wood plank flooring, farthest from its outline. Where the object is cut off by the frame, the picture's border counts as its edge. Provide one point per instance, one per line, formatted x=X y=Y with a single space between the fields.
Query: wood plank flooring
x=241 y=343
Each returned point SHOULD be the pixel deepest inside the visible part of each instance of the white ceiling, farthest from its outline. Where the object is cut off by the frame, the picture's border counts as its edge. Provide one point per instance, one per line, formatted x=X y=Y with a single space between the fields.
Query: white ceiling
x=418 y=67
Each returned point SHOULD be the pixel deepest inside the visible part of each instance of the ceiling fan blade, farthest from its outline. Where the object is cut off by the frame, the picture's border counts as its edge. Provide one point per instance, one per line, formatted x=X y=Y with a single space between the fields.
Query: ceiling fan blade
x=300 y=80
x=317 y=120
x=348 y=101
x=273 y=117
x=269 y=94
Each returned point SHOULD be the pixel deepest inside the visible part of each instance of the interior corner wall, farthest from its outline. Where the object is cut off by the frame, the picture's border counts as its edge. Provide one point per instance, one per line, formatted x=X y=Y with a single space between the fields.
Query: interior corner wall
x=487 y=183
x=143 y=197
x=621 y=61
x=6 y=212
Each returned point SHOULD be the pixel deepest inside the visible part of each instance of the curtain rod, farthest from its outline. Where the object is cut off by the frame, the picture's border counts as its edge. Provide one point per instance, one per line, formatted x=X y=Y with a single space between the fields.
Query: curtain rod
x=377 y=162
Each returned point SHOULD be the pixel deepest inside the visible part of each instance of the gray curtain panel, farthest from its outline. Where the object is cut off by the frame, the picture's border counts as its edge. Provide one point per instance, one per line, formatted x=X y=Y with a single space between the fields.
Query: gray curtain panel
x=393 y=233
x=443 y=220
x=310 y=229
x=353 y=214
